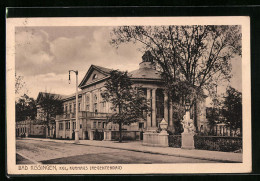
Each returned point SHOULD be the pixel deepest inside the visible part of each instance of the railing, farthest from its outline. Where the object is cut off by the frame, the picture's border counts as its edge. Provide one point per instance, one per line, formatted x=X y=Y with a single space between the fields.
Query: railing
x=82 y=114
x=175 y=141
x=62 y=116
x=218 y=143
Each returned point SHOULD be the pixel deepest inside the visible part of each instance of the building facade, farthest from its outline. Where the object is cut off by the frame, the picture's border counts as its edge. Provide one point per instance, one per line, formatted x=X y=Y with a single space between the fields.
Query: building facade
x=93 y=110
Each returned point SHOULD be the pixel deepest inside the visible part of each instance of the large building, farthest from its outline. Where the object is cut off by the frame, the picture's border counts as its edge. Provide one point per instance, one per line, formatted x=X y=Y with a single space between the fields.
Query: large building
x=93 y=110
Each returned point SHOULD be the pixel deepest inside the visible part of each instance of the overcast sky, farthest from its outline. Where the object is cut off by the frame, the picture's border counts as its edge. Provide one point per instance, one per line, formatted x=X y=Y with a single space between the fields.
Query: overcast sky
x=45 y=54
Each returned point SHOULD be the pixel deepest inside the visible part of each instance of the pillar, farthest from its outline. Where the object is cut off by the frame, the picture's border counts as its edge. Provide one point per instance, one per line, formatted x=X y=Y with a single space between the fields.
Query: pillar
x=171 y=113
x=57 y=129
x=149 y=120
x=154 y=108
x=64 y=129
x=71 y=128
x=166 y=107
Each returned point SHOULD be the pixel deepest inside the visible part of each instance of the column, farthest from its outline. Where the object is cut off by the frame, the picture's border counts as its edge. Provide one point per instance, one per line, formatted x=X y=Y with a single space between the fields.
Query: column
x=166 y=107
x=71 y=128
x=153 y=107
x=171 y=112
x=83 y=102
x=57 y=129
x=64 y=129
x=148 y=121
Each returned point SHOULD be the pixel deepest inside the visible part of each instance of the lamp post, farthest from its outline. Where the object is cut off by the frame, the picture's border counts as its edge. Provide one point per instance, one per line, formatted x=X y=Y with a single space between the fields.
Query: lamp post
x=77 y=104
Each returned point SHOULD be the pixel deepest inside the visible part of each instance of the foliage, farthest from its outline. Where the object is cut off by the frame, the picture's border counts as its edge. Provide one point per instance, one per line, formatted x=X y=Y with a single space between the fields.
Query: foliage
x=25 y=107
x=232 y=108
x=128 y=103
x=51 y=105
x=19 y=83
x=191 y=58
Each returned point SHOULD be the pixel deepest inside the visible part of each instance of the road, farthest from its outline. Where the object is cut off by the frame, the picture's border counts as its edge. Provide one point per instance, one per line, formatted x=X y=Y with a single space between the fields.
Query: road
x=41 y=152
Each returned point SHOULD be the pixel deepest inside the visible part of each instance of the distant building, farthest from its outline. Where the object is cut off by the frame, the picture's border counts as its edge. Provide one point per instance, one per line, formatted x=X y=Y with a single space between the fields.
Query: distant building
x=93 y=110
x=30 y=128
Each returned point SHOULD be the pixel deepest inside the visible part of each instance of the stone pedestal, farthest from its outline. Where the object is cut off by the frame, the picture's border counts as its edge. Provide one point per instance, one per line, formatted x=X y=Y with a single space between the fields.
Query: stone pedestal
x=91 y=135
x=187 y=141
x=107 y=135
x=155 y=139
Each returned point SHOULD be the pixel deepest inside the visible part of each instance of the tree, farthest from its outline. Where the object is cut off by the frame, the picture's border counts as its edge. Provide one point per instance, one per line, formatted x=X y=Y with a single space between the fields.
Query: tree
x=232 y=109
x=51 y=105
x=25 y=107
x=191 y=58
x=128 y=103
x=19 y=83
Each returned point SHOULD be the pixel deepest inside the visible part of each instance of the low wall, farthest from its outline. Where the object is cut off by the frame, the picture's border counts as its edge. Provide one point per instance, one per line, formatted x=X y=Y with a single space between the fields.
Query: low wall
x=155 y=139
x=126 y=135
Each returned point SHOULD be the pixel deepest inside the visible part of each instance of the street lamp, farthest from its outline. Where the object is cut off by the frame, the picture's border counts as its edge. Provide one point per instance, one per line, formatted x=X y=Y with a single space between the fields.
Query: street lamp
x=77 y=104
x=187 y=105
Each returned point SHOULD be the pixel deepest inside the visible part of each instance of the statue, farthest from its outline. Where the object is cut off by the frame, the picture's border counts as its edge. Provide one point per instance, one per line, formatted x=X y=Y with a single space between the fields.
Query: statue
x=187 y=123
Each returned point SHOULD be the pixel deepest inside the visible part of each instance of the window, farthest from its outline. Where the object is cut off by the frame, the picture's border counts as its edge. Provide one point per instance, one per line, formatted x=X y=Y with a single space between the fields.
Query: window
x=74 y=125
x=104 y=125
x=99 y=124
x=70 y=108
x=95 y=107
x=94 y=77
x=87 y=107
x=67 y=125
x=66 y=109
x=60 y=126
x=74 y=108
x=87 y=99
x=104 y=104
x=94 y=124
x=95 y=98
x=79 y=106
x=141 y=125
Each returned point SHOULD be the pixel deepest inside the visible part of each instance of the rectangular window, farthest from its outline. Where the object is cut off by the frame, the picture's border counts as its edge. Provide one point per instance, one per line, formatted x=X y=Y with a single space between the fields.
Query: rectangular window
x=94 y=124
x=79 y=106
x=70 y=108
x=141 y=125
x=99 y=124
x=104 y=124
x=60 y=126
x=87 y=107
x=67 y=125
x=74 y=108
x=66 y=109
x=74 y=125
x=95 y=107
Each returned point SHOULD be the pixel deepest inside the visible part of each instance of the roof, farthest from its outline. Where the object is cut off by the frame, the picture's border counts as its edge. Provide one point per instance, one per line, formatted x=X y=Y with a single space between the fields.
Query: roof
x=145 y=73
x=105 y=71
x=42 y=94
x=102 y=69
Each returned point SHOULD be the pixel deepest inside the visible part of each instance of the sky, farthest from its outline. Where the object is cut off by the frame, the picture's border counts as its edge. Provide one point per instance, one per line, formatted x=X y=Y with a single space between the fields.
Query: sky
x=45 y=54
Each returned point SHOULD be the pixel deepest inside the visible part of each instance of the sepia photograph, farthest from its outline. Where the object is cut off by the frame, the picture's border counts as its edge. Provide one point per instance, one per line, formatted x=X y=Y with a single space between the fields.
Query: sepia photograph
x=128 y=95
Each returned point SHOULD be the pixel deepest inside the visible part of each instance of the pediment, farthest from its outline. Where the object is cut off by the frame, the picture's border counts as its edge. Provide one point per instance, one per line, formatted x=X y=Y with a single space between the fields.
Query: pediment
x=94 y=74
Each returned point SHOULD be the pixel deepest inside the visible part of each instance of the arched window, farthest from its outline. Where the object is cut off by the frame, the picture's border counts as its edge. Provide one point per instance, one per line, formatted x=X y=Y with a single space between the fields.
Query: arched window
x=95 y=98
x=94 y=76
x=87 y=99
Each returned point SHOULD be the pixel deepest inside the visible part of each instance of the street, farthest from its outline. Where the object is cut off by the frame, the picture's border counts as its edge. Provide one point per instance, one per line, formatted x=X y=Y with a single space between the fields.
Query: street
x=41 y=152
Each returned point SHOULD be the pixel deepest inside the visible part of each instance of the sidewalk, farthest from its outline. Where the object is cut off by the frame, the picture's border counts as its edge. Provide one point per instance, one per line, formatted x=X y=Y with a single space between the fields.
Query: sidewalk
x=137 y=146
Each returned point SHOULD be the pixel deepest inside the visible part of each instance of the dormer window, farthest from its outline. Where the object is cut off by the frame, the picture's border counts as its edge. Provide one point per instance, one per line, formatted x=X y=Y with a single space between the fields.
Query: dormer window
x=94 y=77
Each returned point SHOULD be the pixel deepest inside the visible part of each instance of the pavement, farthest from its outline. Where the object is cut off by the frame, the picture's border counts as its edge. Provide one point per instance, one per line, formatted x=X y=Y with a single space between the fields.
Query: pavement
x=138 y=147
